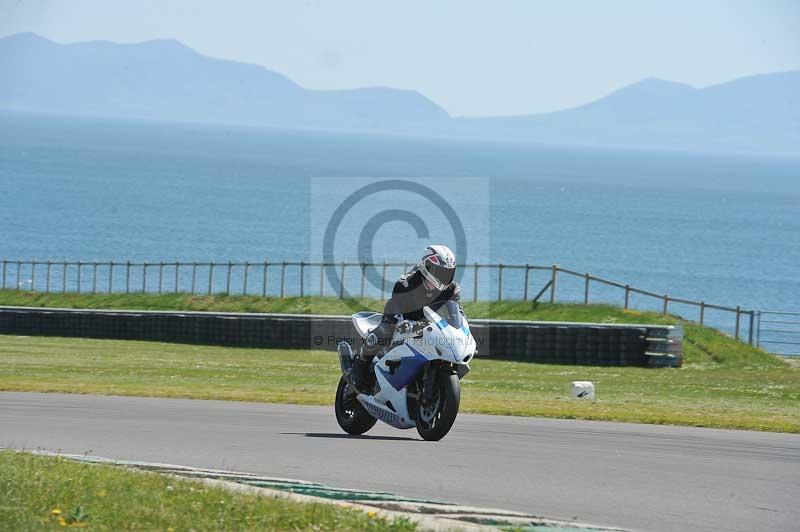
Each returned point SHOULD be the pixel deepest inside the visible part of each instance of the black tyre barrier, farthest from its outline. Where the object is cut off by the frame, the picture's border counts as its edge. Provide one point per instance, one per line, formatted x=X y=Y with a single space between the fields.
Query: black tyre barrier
x=596 y=344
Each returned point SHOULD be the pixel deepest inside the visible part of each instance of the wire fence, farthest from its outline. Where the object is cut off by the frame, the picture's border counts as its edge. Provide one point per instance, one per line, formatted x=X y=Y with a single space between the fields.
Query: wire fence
x=778 y=331
x=485 y=282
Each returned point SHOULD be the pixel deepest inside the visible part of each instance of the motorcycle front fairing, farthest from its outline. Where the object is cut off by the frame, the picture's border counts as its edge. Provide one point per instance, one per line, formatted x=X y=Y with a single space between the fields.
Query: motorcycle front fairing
x=444 y=341
x=394 y=372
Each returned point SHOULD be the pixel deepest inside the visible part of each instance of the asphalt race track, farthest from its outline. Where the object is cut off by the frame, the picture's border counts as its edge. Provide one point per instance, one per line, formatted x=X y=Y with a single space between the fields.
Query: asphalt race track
x=641 y=477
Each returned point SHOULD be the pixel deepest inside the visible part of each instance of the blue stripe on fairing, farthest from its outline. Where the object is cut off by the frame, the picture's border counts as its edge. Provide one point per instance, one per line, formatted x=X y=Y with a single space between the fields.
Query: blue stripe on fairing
x=407 y=371
x=442 y=323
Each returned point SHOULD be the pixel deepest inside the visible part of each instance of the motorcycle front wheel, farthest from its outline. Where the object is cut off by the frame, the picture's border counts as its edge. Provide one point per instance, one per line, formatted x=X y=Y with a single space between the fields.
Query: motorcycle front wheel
x=350 y=414
x=436 y=418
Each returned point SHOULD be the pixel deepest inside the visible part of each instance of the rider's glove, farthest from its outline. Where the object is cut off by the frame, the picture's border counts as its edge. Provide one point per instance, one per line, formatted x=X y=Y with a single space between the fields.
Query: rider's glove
x=405 y=326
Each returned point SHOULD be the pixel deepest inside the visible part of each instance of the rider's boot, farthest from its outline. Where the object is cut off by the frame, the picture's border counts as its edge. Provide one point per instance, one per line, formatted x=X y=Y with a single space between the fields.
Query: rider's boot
x=361 y=365
x=358 y=375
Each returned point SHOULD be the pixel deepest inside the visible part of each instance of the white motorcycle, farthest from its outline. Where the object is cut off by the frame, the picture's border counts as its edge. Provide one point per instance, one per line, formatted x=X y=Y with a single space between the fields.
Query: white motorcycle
x=416 y=382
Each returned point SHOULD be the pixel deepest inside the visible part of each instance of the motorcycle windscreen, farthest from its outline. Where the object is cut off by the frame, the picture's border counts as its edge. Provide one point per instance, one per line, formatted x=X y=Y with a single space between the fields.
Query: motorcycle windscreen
x=451 y=312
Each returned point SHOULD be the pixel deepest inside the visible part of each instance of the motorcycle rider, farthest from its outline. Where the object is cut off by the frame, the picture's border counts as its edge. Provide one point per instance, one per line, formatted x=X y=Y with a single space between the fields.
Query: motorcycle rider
x=430 y=282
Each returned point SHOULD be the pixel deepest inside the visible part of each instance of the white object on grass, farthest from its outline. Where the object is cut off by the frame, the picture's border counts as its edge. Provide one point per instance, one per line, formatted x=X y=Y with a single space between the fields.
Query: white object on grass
x=582 y=389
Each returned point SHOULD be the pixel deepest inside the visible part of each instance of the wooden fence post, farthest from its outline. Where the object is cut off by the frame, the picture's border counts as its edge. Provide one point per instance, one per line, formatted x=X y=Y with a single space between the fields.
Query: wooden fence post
x=283 y=277
x=553 y=283
x=475 y=283
x=586 y=289
x=758 y=328
x=210 y=276
x=94 y=277
x=321 y=279
x=264 y=279
x=500 y=282
x=527 y=275
x=244 y=284
x=702 y=311
x=666 y=304
x=302 y=278
x=228 y=280
x=363 y=274
x=738 y=316
x=341 y=286
x=47 y=283
x=110 y=277
x=627 y=296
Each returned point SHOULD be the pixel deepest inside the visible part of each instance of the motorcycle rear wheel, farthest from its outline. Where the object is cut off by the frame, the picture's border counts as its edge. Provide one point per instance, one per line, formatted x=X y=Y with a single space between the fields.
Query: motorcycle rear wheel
x=350 y=414
x=435 y=420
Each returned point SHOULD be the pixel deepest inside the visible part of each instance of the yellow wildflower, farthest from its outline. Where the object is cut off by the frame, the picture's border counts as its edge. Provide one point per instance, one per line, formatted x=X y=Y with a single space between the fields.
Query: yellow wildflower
x=371 y=514
x=55 y=511
x=62 y=521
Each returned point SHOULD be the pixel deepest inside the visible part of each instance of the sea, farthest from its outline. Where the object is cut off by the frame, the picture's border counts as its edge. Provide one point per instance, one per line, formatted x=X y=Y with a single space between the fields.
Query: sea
x=724 y=229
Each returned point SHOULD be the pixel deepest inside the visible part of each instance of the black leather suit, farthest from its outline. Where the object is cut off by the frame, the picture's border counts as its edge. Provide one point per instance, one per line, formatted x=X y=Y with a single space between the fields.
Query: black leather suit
x=409 y=296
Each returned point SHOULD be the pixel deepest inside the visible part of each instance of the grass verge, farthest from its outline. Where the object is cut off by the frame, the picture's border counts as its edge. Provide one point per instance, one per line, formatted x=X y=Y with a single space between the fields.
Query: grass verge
x=728 y=389
x=513 y=310
x=42 y=493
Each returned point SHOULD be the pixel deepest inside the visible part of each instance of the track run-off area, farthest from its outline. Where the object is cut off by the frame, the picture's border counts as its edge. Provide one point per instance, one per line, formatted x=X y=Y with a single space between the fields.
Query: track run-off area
x=639 y=477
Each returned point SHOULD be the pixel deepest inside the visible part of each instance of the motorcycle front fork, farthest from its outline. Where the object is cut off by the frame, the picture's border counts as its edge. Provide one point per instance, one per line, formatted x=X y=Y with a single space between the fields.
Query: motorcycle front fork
x=427 y=385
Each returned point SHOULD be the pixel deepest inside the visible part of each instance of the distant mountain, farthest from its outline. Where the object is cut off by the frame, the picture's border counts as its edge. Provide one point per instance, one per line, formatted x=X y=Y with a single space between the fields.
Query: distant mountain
x=752 y=114
x=165 y=80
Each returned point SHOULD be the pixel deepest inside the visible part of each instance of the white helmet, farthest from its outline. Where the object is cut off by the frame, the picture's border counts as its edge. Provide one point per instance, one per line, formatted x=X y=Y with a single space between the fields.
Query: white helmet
x=438 y=266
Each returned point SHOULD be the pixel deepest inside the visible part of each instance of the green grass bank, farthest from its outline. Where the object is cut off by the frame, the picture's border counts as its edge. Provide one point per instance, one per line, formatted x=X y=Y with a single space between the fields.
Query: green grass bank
x=50 y=493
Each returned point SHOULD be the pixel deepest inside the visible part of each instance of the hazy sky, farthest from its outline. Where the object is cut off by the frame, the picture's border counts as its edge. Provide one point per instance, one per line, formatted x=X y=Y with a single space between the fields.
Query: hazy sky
x=473 y=58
